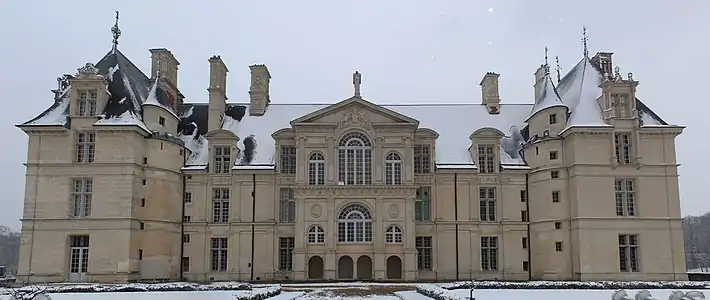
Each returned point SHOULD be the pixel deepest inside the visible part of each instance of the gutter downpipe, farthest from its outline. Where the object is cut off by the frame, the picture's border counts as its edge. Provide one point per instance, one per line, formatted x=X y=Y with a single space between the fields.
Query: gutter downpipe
x=182 y=218
x=529 y=244
x=253 y=219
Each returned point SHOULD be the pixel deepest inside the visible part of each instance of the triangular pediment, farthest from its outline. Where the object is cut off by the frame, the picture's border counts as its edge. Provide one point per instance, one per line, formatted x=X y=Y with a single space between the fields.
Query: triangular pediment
x=354 y=110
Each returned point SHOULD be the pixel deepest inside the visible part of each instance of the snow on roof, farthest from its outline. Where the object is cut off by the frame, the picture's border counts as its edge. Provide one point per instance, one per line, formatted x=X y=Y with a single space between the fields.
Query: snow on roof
x=197 y=144
x=55 y=114
x=581 y=95
x=547 y=97
x=127 y=118
x=452 y=146
x=153 y=97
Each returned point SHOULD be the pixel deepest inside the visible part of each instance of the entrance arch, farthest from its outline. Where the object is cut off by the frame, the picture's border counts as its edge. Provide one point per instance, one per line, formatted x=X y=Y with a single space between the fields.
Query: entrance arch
x=394 y=267
x=364 y=268
x=315 y=267
x=345 y=267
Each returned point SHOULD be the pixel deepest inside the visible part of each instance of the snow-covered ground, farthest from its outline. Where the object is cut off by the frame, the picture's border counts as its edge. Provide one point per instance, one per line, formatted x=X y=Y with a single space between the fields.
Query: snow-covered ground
x=555 y=294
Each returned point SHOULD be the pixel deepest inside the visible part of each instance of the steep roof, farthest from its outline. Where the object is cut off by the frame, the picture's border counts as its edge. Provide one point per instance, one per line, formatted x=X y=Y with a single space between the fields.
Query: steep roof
x=546 y=98
x=128 y=88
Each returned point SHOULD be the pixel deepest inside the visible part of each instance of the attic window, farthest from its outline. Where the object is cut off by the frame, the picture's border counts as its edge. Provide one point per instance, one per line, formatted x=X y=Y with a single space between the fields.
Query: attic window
x=553 y=118
x=161 y=121
x=87 y=102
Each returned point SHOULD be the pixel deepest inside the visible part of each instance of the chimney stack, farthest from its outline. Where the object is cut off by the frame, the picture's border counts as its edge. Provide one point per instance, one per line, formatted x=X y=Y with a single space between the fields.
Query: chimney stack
x=490 y=93
x=259 y=90
x=163 y=61
x=217 y=93
x=602 y=61
x=539 y=80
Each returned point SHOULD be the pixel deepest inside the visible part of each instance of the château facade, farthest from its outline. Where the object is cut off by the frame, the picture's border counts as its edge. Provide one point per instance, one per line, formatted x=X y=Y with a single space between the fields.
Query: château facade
x=127 y=181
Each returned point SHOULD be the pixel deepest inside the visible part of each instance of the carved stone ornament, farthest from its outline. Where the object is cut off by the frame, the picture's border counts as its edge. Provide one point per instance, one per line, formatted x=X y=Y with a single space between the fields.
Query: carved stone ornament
x=355 y=118
x=393 y=211
x=488 y=179
x=221 y=180
x=316 y=211
x=88 y=71
x=355 y=191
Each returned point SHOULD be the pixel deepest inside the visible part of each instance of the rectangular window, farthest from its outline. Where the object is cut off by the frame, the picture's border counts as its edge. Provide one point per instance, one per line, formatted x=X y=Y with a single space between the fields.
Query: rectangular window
x=487 y=201
x=553 y=155
x=489 y=253
x=288 y=159
x=424 y=248
x=526 y=265
x=523 y=215
x=486 y=158
x=161 y=121
x=553 y=118
x=628 y=253
x=422 y=204
x=422 y=159
x=625 y=197
x=558 y=246
x=622 y=147
x=222 y=159
x=87 y=102
x=524 y=242
x=140 y=254
x=220 y=205
x=81 y=194
x=556 y=197
x=286 y=245
x=287 y=206
x=186 y=264
x=187 y=197
x=85 y=147
x=142 y=225
x=219 y=247
x=523 y=196
x=558 y=225
x=186 y=238
x=78 y=254
x=555 y=174
x=187 y=219
x=142 y=202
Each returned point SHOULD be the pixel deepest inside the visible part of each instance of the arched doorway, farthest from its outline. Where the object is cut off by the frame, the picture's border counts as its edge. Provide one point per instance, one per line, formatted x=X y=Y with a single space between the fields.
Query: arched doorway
x=345 y=267
x=394 y=267
x=364 y=268
x=315 y=267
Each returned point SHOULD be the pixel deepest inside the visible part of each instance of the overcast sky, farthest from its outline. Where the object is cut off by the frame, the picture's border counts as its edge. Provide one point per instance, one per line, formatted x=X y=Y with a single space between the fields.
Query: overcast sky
x=408 y=52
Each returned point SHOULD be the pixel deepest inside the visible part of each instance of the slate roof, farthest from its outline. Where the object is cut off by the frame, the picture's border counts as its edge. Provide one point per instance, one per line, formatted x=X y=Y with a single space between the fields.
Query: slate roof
x=130 y=89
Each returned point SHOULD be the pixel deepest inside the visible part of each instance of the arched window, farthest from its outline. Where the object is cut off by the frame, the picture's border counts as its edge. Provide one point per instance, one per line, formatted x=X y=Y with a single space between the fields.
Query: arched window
x=316 y=235
x=393 y=168
x=355 y=159
x=393 y=235
x=316 y=168
x=355 y=224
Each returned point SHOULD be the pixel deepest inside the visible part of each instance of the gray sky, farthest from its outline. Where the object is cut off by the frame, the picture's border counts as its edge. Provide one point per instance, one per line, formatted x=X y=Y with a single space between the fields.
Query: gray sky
x=408 y=51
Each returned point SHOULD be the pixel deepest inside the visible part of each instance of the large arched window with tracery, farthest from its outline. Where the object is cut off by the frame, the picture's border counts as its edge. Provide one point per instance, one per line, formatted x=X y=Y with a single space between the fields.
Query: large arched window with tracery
x=316 y=168
x=355 y=159
x=393 y=168
x=355 y=224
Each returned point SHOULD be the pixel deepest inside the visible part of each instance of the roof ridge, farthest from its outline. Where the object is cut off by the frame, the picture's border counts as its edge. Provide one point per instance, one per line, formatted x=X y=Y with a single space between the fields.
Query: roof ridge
x=378 y=104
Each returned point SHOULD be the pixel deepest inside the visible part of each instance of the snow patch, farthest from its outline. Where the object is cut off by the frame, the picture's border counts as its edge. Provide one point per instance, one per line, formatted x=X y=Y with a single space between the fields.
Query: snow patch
x=152 y=99
x=56 y=115
x=134 y=98
x=547 y=98
x=197 y=144
x=187 y=113
x=126 y=118
x=111 y=71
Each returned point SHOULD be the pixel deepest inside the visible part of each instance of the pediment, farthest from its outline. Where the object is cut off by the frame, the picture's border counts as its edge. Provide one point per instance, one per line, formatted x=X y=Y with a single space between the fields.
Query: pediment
x=355 y=111
x=221 y=134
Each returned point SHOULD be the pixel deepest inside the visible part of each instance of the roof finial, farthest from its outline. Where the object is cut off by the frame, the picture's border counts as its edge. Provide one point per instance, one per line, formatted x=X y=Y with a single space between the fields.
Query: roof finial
x=116 y=32
x=547 y=65
x=557 y=68
x=584 y=41
x=357 y=80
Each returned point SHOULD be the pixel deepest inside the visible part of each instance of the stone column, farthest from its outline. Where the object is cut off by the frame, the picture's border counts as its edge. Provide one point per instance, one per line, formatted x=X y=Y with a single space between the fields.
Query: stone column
x=378 y=160
x=331 y=161
x=301 y=160
x=331 y=236
x=408 y=161
x=410 y=251
x=378 y=260
x=299 y=250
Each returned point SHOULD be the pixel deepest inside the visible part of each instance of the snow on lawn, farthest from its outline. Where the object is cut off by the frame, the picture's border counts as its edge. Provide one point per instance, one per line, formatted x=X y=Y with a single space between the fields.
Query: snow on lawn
x=192 y=295
x=550 y=294
x=411 y=295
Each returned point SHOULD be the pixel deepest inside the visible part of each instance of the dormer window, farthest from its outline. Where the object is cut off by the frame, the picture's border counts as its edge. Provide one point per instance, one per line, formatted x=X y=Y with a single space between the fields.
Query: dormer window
x=553 y=118
x=161 y=121
x=622 y=147
x=486 y=158
x=222 y=159
x=87 y=102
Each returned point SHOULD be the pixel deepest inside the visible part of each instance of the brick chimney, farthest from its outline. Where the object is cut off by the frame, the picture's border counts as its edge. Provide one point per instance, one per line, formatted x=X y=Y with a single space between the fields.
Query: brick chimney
x=217 y=93
x=259 y=90
x=602 y=61
x=539 y=80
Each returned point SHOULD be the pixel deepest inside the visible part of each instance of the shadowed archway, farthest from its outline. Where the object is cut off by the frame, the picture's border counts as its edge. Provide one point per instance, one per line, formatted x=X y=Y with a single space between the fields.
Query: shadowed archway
x=394 y=267
x=315 y=267
x=364 y=268
x=345 y=267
